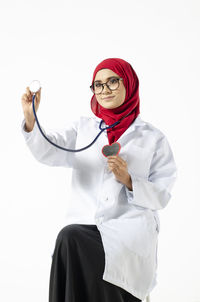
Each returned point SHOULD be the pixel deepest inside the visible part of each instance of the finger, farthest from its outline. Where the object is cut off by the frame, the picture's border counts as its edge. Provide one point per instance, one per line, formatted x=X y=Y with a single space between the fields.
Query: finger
x=115 y=163
x=112 y=157
x=24 y=98
x=24 y=95
x=121 y=160
x=110 y=168
x=118 y=160
x=113 y=169
x=28 y=91
x=38 y=95
x=39 y=92
x=116 y=157
x=114 y=166
x=116 y=171
x=112 y=161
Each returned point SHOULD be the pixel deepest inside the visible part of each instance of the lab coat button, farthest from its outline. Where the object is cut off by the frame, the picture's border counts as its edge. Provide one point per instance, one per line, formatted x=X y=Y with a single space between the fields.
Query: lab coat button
x=99 y=220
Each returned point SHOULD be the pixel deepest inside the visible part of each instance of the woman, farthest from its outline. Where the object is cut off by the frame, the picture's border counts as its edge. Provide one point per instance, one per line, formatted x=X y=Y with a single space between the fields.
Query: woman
x=108 y=249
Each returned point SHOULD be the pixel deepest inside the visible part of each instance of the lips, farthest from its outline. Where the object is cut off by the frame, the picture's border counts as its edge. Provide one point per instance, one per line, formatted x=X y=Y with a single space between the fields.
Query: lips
x=109 y=97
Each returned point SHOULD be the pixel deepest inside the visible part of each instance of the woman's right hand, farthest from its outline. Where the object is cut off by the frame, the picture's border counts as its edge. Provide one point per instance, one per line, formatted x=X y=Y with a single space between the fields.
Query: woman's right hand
x=26 y=100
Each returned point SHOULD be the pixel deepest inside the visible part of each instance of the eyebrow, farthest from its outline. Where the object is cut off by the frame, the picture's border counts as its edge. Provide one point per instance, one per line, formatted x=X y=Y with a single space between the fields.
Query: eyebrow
x=106 y=79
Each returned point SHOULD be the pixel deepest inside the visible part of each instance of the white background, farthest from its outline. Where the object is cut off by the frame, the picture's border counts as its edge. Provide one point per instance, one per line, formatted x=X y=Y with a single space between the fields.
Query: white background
x=60 y=43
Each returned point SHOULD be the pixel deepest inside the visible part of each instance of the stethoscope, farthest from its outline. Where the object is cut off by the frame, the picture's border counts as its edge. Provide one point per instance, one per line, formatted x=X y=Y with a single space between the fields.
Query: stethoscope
x=34 y=88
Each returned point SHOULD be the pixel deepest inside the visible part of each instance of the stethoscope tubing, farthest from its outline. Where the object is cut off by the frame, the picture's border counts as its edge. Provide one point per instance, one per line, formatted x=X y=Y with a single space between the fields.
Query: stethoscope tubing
x=66 y=149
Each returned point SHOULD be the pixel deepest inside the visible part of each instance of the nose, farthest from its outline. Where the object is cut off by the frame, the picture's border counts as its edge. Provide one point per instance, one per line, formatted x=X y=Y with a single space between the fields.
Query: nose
x=106 y=89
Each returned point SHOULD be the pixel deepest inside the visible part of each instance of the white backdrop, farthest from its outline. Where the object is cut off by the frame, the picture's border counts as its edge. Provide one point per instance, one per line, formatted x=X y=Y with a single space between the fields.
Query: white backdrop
x=60 y=43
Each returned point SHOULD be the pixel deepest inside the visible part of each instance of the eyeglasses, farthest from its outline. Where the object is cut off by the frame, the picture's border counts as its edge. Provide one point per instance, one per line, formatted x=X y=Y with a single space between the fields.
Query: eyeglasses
x=112 y=84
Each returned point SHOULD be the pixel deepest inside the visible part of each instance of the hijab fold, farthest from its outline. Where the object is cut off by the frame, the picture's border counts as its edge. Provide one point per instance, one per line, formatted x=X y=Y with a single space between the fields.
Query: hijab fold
x=130 y=104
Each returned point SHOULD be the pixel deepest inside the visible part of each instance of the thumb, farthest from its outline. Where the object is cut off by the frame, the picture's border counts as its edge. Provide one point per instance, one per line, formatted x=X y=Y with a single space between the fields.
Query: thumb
x=38 y=94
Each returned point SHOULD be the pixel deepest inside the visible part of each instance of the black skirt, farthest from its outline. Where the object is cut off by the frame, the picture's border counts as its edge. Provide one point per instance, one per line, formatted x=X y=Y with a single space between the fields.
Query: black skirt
x=77 y=268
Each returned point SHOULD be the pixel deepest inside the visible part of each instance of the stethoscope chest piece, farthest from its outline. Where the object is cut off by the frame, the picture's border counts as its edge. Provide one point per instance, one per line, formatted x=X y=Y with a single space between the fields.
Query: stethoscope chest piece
x=35 y=86
x=112 y=149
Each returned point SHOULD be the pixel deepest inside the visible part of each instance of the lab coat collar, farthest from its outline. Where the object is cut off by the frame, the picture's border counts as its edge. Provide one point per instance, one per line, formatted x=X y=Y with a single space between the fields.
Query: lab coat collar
x=137 y=123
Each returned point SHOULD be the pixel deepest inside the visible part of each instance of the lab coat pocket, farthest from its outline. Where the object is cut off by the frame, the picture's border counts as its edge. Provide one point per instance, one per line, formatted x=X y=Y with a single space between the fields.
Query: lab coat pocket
x=140 y=236
x=139 y=160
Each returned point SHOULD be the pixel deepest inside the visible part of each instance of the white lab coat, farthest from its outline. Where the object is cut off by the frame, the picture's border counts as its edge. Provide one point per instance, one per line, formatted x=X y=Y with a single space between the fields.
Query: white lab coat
x=127 y=220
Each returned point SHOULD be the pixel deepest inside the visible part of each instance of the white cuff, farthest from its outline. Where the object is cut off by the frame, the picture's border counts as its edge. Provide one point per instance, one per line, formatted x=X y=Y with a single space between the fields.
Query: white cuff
x=129 y=195
x=24 y=132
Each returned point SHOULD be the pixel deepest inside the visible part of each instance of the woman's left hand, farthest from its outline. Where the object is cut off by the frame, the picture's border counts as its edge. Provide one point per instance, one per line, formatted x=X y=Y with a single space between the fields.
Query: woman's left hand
x=119 y=167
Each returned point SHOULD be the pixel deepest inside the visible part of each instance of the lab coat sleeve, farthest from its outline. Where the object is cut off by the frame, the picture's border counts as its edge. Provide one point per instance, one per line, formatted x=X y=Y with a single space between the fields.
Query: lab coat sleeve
x=47 y=153
x=154 y=192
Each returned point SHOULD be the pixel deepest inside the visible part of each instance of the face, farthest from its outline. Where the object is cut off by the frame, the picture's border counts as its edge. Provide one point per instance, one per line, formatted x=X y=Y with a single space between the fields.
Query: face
x=118 y=95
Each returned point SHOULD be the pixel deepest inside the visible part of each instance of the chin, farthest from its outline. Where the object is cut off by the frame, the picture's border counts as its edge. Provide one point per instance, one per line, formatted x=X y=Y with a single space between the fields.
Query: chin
x=108 y=106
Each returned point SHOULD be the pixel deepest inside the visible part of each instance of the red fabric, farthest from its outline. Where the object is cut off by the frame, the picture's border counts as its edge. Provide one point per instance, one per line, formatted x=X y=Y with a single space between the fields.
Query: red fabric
x=131 y=102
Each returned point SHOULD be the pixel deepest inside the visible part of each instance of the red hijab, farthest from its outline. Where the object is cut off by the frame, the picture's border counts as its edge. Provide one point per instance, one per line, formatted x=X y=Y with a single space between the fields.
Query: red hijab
x=131 y=102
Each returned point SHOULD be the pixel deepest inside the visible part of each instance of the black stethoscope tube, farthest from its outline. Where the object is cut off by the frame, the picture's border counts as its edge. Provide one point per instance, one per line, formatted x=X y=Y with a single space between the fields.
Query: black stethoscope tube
x=65 y=149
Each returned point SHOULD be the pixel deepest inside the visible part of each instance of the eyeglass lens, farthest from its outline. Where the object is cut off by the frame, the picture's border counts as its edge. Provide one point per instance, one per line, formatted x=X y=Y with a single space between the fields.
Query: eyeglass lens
x=113 y=84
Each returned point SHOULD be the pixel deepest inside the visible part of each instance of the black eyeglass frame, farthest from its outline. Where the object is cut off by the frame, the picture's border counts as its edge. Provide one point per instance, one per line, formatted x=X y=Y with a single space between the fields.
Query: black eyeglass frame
x=102 y=85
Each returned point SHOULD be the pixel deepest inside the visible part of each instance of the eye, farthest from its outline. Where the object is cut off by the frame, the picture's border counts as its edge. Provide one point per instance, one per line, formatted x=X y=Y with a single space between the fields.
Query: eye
x=97 y=84
x=113 y=81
